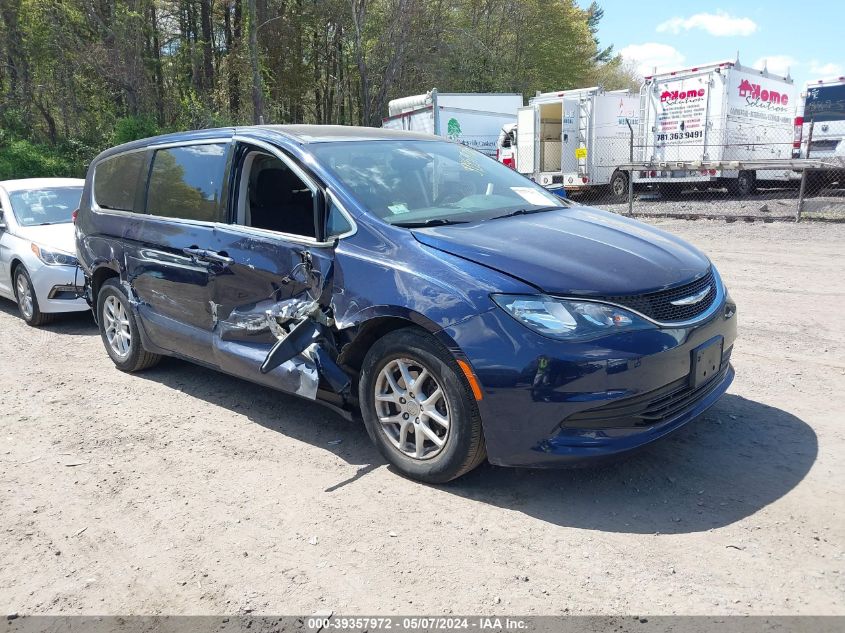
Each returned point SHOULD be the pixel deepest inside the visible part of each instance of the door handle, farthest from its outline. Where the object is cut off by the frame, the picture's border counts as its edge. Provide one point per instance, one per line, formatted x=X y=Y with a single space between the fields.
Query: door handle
x=209 y=256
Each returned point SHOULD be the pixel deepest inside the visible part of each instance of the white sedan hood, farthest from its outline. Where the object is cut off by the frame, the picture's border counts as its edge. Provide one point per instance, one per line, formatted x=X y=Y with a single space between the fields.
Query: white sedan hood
x=58 y=237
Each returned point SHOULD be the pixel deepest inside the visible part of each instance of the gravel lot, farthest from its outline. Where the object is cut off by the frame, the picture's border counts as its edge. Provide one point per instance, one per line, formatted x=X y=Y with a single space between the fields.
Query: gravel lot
x=184 y=491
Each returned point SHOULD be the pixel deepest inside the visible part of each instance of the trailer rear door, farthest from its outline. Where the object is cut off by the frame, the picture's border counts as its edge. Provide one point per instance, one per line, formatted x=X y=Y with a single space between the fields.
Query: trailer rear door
x=569 y=139
x=526 y=140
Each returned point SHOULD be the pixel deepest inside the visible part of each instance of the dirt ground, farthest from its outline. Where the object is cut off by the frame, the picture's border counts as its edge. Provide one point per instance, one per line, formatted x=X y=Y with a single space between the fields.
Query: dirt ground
x=183 y=491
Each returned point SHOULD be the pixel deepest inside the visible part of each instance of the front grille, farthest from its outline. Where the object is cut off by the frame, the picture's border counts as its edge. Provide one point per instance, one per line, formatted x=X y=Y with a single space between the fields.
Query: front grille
x=649 y=409
x=658 y=305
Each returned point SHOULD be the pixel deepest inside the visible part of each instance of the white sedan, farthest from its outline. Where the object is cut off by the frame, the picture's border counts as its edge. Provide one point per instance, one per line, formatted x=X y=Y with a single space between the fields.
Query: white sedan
x=38 y=267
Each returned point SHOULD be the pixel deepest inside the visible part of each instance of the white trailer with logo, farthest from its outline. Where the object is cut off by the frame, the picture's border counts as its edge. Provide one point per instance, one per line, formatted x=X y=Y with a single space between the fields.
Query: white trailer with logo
x=716 y=113
x=576 y=138
x=473 y=119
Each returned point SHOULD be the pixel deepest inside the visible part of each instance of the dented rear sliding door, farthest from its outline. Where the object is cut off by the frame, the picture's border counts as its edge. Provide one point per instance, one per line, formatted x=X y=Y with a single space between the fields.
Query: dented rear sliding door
x=172 y=266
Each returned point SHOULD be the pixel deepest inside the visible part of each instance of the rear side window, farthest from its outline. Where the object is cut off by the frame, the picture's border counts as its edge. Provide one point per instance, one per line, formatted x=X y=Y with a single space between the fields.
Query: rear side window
x=116 y=181
x=187 y=182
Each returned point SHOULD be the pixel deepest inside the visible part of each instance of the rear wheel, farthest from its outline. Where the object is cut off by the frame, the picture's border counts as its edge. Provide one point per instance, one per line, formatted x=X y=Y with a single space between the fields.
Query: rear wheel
x=119 y=330
x=745 y=184
x=27 y=301
x=418 y=408
x=619 y=186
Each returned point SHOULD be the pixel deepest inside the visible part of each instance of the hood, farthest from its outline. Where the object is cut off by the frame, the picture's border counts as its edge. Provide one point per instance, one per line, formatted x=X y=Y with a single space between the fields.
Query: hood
x=52 y=236
x=576 y=250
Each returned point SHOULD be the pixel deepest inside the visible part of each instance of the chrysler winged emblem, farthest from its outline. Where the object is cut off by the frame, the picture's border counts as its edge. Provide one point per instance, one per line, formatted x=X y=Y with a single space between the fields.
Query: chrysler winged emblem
x=692 y=299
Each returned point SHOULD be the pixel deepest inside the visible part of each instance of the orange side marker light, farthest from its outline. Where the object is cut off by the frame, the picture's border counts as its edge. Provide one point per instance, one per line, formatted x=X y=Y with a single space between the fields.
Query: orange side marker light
x=473 y=381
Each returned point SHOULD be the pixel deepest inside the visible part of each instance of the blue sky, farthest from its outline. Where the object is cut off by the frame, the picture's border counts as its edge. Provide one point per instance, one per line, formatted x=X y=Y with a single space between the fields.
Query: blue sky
x=804 y=36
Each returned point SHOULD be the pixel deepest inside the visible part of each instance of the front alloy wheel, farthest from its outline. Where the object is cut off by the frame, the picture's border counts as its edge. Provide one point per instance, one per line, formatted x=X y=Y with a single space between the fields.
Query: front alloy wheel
x=27 y=301
x=24 y=292
x=412 y=408
x=419 y=408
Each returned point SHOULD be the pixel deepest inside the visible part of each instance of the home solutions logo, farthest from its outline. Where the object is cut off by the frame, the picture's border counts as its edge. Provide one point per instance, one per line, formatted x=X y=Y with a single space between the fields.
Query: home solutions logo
x=674 y=96
x=757 y=96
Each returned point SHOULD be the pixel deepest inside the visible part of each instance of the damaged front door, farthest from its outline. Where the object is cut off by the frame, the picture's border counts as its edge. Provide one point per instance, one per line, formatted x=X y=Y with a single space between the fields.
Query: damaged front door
x=276 y=292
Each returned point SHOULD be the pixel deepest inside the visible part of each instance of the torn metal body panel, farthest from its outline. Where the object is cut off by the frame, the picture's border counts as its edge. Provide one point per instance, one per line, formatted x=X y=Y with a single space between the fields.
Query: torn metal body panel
x=290 y=325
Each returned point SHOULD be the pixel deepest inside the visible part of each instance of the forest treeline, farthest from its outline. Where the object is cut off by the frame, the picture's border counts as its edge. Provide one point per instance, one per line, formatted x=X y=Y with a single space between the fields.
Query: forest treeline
x=79 y=75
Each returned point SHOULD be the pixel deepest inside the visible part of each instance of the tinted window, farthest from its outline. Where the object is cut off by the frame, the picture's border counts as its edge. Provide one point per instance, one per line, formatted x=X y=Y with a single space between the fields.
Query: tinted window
x=37 y=207
x=116 y=181
x=187 y=182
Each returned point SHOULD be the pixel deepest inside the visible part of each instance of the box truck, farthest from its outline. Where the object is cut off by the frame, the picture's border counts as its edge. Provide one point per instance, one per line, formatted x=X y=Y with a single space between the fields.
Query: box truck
x=576 y=138
x=721 y=112
x=718 y=112
x=473 y=119
x=820 y=128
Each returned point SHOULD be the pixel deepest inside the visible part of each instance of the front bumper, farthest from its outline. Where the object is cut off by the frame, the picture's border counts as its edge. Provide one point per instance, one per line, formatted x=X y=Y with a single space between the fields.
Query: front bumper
x=57 y=288
x=551 y=403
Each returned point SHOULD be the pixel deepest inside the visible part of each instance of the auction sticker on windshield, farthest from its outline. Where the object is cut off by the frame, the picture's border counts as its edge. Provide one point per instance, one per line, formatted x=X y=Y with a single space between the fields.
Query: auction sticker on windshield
x=532 y=196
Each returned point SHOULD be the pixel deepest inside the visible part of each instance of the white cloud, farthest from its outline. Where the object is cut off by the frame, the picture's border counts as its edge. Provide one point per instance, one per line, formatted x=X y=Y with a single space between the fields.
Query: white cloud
x=777 y=64
x=717 y=24
x=646 y=56
x=818 y=70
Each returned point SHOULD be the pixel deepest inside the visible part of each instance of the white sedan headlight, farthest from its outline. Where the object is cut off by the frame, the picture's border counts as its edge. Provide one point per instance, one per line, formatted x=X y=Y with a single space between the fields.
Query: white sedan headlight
x=53 y=258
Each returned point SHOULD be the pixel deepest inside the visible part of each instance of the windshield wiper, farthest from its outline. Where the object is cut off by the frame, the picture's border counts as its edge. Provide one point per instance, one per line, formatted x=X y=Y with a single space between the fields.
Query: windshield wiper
x=524 y=212
x=429 y=222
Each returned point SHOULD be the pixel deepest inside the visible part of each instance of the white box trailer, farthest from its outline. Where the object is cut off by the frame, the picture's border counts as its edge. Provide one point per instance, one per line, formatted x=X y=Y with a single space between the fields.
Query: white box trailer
x=473 y=119
x=576 y=138
x=717 y=112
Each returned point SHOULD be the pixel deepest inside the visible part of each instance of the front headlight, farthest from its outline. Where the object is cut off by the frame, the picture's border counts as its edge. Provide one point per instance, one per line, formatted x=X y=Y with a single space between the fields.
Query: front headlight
x=569 y=319
x=53 y=258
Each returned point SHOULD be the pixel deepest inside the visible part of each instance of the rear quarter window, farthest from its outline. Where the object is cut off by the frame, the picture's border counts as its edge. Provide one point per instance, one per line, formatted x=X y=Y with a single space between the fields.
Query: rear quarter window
x=116 y=181
x=187 y=182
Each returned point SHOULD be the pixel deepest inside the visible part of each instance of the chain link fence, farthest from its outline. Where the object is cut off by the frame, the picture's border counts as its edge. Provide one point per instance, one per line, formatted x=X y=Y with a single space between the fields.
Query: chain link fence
x=751 y=173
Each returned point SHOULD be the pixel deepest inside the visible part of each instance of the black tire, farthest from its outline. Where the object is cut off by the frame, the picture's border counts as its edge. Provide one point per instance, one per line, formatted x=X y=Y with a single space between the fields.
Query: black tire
x=464 y=447
x=136 y=357
x=745 y=184
x=31 y=315
x=619 y=186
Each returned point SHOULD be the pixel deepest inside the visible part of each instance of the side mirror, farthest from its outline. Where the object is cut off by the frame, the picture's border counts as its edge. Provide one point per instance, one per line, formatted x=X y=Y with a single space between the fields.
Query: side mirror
x=320 y=215
x=2 y=222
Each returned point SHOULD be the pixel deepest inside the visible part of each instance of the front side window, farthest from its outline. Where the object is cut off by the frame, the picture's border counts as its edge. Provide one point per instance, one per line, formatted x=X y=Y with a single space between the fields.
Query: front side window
x=275 y=197
x=50 y=205
x=116 y=181
x=418 y=183
x=187 y=182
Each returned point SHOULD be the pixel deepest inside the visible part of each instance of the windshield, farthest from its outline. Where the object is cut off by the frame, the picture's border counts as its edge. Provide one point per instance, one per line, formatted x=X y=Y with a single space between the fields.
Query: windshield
x=419 y=183
x=50 y=205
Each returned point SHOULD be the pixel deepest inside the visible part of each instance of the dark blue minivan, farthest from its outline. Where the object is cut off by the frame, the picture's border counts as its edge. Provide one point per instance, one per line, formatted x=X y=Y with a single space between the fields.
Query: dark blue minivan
x=462 y=310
